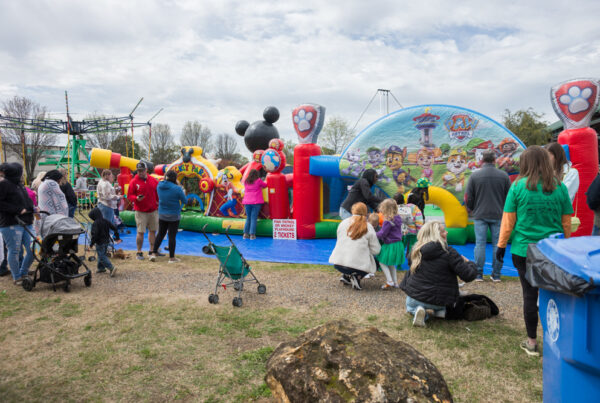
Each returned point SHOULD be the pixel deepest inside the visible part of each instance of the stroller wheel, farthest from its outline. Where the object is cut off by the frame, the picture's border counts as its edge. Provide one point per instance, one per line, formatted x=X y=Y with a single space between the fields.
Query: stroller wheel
x=237 y=302
x=87 y=280
x=238 y=286
x=213 y=299
x=262 y=289
x=67 y=286
x=207 y=250
x=91 y=258
x=27 y=284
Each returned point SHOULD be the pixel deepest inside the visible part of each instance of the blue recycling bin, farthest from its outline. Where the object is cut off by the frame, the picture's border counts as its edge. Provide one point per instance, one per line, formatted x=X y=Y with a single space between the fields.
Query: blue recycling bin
x=567 y=271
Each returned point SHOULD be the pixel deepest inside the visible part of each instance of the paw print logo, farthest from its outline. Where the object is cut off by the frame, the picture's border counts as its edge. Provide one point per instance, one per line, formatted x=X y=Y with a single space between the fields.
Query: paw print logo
x=302 y=120
x=576 y=99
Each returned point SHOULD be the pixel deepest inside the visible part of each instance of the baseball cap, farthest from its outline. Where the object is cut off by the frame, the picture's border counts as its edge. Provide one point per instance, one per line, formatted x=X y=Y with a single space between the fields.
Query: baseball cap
x=141 y=165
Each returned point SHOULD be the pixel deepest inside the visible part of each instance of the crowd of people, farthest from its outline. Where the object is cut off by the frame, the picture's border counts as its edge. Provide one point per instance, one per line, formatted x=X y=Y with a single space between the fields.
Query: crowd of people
x=536 y=205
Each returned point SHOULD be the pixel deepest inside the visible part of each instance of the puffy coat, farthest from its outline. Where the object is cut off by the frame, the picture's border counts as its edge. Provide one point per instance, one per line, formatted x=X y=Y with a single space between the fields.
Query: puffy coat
x=13 y=197
x=361 y=192
x=434 y=280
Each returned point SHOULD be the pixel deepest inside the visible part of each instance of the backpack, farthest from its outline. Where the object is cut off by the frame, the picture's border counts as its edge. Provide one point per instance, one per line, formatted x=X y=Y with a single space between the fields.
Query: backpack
x=472 y=307
x=593 y=194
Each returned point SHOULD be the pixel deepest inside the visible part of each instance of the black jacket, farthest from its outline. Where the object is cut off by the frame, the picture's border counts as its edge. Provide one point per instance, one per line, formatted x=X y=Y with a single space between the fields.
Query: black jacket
x=434 y=280
x=70 y=195
x=593 y=194
x=361 y=192
x=101 y=228
x=14 y=197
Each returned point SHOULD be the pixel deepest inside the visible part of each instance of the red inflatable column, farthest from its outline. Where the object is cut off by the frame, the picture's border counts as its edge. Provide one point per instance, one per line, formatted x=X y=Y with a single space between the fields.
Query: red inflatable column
x=575 y=102
x=583 y=150
x=279 y=202
x=307 y=191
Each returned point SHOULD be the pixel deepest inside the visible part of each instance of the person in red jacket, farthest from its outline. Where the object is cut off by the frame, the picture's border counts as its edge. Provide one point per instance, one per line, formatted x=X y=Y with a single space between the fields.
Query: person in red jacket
x=142 y=193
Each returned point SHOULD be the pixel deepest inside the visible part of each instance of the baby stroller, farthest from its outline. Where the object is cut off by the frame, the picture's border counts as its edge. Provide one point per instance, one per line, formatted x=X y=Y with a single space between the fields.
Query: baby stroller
x=58 y=260
x=233 y=269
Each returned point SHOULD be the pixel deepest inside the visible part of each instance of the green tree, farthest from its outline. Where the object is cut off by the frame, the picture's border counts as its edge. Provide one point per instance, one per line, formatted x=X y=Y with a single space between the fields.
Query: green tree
x=288 y=151
x=336 y=134
x=527 y=125
x=122 y=145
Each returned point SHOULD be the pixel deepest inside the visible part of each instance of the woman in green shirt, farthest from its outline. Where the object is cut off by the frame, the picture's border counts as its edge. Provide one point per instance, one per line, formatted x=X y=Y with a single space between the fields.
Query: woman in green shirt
x=537 y=206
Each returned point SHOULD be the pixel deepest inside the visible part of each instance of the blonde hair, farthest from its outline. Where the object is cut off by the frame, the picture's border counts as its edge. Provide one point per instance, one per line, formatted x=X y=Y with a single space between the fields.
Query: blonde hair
x=358 y=226
x=389 y=209
x=431 y=231
x=373 y=219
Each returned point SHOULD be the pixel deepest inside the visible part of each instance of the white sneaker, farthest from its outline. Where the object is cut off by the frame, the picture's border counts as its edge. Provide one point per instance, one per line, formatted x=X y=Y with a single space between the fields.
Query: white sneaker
x=174 y=260
x=355 y=283
x=419 y=319
x=152 y=257
x=369 y=276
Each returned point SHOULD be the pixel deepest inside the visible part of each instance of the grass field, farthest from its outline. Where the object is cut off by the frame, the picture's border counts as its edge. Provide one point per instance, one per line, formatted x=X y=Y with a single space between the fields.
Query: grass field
x=136 y=338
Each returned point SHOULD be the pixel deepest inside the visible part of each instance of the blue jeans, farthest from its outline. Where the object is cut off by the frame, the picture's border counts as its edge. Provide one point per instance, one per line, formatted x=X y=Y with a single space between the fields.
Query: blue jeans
x=103 y=260
x=481 y=228
x=412 y=305
x=230 y=205
x=72 y=211
x=252 y=211
x=15 y=237
x=344 y=213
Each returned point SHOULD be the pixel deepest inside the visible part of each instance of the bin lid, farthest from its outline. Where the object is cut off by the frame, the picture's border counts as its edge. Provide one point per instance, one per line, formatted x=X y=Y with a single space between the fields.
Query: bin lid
x=579 y=256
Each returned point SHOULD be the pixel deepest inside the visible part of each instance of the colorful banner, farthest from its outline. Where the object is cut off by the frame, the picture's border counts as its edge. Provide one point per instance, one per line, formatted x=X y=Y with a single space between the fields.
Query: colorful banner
x=442 y=143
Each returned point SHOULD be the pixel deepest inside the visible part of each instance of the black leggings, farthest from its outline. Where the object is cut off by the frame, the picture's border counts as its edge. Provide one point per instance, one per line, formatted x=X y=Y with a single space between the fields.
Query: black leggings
x=350 y=271
x=163 y=227
x=530 y=298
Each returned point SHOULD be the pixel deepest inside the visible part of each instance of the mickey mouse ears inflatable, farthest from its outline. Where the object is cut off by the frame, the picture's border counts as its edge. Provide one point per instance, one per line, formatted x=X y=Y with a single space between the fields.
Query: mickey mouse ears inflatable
x=308 y=121
x=575 y=101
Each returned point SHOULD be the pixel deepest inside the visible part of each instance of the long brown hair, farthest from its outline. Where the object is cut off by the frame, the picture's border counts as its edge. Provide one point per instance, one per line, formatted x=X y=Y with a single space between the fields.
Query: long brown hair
x=358 y=226
x=560 y=159
x=534 y=164
x=252 y=177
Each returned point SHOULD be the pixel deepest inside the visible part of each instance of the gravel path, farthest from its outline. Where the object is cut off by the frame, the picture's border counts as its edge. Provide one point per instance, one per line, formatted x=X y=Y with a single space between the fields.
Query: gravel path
x=300 y=288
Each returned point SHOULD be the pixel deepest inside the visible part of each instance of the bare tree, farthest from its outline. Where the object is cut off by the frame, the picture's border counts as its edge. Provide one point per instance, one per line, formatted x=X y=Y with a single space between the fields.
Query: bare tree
x=336 y=134
x=33 y=143
x=226 y=147
x=101 y=140
x=194 y=134
x=162 y=149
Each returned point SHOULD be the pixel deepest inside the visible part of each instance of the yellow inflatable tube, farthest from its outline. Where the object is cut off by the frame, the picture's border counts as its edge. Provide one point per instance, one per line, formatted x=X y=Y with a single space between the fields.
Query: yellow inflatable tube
x=455 y=214
x=105 y=159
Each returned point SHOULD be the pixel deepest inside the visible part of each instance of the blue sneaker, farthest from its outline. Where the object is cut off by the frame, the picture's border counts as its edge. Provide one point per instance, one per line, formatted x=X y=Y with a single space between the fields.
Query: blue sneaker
x=479 y=278
x=495 y=279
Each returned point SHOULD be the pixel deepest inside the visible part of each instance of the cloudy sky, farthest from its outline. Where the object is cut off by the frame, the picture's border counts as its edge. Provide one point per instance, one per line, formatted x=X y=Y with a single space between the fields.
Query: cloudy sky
x=222 y=61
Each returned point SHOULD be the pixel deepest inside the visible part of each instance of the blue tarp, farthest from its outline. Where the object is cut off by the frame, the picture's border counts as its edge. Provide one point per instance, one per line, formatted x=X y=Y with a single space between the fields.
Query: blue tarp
x=313 y=251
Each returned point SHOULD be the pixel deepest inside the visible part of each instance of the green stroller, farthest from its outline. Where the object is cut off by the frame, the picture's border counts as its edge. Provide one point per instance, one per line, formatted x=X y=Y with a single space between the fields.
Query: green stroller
x=233 y=270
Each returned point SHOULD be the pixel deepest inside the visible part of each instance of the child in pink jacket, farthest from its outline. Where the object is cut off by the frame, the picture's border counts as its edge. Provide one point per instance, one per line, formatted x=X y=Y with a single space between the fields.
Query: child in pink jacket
x=252 y=201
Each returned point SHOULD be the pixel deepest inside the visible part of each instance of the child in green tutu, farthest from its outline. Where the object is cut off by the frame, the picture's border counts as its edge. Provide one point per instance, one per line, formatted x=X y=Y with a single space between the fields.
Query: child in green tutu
x=392 y=248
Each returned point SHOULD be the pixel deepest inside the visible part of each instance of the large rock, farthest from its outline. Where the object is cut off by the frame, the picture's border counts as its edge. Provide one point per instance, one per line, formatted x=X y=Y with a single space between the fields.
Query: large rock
x=339 y=362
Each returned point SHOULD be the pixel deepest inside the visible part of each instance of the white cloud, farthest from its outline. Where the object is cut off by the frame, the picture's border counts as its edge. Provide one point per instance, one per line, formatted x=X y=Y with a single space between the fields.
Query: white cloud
x=219 y=62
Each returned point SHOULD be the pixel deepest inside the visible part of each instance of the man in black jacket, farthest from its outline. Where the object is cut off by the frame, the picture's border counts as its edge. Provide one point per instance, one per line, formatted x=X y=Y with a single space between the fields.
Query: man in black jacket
x=70 y=195
x=101 y=238
x=485 y=196
x=361 y=192
x=15 y=202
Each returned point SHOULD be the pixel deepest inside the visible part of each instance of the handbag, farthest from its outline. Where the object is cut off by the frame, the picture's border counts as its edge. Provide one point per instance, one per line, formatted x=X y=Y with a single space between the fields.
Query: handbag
x=575 y=221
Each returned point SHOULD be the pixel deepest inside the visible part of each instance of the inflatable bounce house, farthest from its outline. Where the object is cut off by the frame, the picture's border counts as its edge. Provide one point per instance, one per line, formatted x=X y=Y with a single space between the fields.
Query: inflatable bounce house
x=441 y=143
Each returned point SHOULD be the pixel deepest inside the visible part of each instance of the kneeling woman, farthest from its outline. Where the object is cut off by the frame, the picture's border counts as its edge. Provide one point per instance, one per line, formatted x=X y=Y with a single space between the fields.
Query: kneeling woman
x=356 y=244
x=431 y=281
